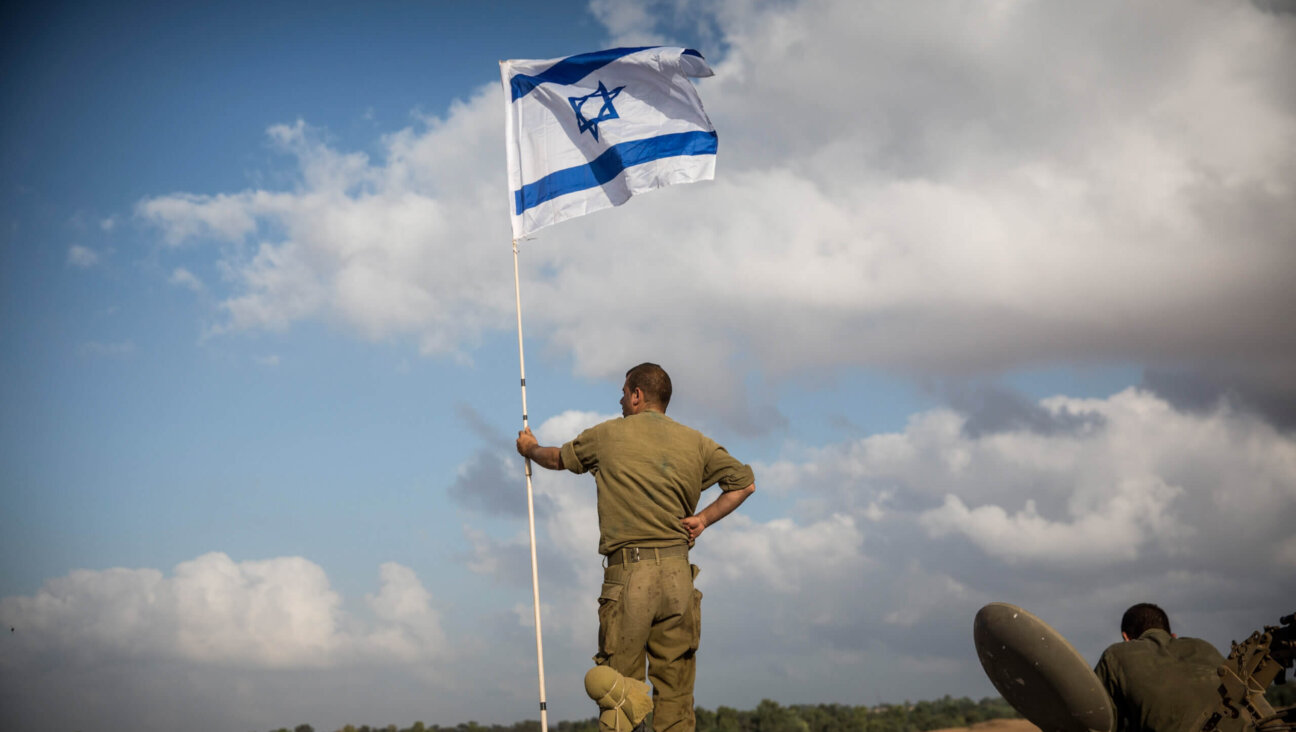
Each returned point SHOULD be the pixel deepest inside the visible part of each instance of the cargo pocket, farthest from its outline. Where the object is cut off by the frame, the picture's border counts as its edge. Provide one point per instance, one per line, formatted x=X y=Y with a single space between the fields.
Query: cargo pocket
x=609 y=615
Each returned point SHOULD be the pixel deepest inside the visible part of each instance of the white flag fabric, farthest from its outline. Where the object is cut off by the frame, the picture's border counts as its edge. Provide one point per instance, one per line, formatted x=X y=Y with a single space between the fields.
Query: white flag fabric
x=587 y=132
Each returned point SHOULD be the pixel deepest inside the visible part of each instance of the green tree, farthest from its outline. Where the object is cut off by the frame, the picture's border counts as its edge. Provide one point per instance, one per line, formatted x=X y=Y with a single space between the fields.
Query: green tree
x=704 y=721
x=727 y=720
x=770 y=717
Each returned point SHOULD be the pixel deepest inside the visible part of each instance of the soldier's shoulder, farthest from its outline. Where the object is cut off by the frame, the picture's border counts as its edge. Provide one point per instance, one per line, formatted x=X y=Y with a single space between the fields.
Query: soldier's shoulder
x=599 y=431
x=696 y=434
x=1113 y=653
x=1198 y=645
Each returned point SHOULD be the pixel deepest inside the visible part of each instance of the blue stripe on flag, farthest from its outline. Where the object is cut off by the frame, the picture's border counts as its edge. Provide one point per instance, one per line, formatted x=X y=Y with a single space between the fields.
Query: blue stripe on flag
x=574 y=68
x=609 y=165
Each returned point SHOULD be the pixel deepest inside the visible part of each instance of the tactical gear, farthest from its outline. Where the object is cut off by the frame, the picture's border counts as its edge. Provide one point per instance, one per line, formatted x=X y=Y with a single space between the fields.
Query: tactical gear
x=631 y=554
x=623 y=703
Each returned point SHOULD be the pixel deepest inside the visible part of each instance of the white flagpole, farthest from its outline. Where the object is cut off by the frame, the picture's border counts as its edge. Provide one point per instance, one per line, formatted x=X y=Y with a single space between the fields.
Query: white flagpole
x=535 y=572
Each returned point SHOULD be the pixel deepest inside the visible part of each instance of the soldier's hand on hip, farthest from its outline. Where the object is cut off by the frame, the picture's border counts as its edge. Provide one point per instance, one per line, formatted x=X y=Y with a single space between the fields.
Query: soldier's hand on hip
x=694 y=525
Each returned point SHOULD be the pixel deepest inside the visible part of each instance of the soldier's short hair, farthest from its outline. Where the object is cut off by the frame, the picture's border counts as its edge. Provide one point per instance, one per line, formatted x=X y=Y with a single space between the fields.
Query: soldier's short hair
x=1143 y=617
x=653 y=381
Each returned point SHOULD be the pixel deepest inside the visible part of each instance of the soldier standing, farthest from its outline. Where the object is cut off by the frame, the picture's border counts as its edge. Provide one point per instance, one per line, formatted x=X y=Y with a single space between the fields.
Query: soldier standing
x=650 y=472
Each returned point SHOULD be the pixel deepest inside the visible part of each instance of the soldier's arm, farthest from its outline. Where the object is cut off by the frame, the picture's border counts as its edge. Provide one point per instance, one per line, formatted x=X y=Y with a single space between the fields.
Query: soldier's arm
x=722 y=506
x=530 y=448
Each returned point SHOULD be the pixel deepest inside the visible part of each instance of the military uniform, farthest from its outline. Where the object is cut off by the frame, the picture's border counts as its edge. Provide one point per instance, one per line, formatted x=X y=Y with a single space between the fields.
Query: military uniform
x=650 y=472
x=1159 y=683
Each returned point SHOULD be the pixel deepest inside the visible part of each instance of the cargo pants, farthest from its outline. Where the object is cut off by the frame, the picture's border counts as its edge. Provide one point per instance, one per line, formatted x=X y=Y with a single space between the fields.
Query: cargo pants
x=650 y=611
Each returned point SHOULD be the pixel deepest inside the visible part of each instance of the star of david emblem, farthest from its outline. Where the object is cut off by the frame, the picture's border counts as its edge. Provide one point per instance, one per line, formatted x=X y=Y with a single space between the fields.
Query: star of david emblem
x=605 y=113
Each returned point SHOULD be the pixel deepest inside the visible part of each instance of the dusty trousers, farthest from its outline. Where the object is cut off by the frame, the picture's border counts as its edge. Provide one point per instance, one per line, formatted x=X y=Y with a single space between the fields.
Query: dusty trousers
x=649 y=612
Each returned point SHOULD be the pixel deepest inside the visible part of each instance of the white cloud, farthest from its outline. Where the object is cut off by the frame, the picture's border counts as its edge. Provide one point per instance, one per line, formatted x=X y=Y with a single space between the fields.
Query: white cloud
x=935 y=189
x=629 y=23
x=787 y=558
x=278 y=613
x=216 y=644
x=220 y=216
x=1024 y=536
x=82 y=257
x=1144 y=481
x=182 y=277
x=893 y=541
x=563 y=427
x=860 y=588
x=274 y=613
x=884 y=547
x=411 y=627
x=928 y=188
x=400 y=248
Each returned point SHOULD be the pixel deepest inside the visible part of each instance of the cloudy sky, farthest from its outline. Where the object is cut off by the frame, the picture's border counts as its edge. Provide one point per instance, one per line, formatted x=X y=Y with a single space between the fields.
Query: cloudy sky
x=994 y=296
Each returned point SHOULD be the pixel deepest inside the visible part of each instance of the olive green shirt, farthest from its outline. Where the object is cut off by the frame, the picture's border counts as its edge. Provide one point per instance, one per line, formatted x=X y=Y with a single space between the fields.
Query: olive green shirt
x=650 y=472
x=1159 y=683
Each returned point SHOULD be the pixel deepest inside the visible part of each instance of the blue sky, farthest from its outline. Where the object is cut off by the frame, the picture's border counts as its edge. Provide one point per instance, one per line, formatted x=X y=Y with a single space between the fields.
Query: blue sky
x=995 y=298
x=118 y=103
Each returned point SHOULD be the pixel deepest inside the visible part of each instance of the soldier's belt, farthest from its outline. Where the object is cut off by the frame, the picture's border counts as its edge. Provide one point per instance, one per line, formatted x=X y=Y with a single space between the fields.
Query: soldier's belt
x=632 y=554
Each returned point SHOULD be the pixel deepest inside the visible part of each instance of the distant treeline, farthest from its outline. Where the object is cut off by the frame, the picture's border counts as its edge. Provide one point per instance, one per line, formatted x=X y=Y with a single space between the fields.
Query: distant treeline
x=770 y=716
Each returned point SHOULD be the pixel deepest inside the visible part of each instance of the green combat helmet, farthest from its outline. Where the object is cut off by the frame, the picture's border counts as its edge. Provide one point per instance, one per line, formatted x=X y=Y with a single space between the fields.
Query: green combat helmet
x=623 y=702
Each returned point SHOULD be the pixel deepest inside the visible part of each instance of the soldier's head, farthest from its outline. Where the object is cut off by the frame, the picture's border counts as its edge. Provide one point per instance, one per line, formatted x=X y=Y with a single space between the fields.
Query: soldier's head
x=1141 y=618
x=647 y=387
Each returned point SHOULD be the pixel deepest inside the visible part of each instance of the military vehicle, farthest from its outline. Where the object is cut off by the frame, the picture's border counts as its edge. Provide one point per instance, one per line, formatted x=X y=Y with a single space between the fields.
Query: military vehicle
x=1049 y=683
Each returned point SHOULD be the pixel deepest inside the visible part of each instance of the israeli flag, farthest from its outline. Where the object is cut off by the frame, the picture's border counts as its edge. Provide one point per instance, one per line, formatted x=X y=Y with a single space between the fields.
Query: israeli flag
x=587 y=132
